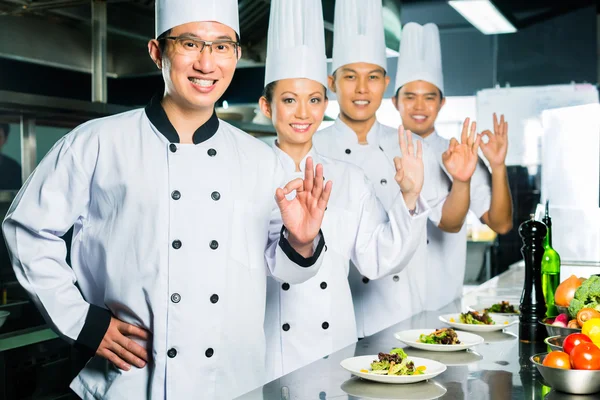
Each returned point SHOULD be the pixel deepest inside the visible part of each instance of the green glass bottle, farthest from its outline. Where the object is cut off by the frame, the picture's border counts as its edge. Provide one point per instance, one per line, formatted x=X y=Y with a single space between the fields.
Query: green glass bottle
x=550 y=268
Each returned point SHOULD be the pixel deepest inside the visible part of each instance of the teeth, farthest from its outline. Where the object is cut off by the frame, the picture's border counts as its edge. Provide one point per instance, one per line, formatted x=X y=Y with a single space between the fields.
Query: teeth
x=300 y=126
x=361 y=102
x=419 y=117
x=202 y=82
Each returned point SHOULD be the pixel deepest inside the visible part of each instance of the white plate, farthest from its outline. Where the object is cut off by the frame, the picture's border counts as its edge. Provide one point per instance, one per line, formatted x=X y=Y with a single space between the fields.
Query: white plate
x=411 y=338
x=500 y=323
x=355 y=364
x=481 y=307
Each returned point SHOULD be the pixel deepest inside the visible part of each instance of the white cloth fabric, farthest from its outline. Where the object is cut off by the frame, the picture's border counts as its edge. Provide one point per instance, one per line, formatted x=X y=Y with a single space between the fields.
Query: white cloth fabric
x=447 y=252
x=358 y=33
x=420 y=56
x=378 y=303
x=307 y=321
x=172 y=13
x=296 y=41
x=435 y=275
x=115 y=179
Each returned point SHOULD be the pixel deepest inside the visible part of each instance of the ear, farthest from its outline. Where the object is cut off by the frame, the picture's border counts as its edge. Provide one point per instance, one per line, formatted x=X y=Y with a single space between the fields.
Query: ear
x=239 y=53
x=442 y=103
x=395 y=101
x=265 y=107
x=387 y=81
x=331 y=83
x=154 y=51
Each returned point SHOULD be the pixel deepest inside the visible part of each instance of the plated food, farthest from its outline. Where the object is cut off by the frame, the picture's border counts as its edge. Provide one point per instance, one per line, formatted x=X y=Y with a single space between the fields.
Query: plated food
x=440 y=340
x=393 y=367
x=476 y=322
x=440 y=336
x=476 y=318
x=394 y=363
x=504 y=307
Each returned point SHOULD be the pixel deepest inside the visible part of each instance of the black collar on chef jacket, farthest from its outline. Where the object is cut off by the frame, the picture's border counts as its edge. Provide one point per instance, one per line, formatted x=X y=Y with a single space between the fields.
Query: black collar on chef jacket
x=157 y=115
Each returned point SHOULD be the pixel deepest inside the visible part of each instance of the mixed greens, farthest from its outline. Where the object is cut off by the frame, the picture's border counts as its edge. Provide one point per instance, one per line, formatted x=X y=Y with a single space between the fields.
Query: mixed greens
x=475 y=318
x=441 y=336
x=504 y=307
x=395 y=363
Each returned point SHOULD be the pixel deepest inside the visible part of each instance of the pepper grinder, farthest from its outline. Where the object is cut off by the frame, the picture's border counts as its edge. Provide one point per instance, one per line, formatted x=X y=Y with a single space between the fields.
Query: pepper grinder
x=533 y=304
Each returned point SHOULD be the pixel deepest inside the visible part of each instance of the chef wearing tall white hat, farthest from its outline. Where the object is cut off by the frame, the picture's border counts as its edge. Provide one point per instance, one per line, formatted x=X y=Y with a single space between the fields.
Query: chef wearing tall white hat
x=172 y=209
x=419 y=89
x=359 y=80
x=316 y=318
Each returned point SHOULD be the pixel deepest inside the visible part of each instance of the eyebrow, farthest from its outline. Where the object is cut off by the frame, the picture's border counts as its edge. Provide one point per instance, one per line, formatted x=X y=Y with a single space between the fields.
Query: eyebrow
x=424 y=94
x=193 y=35
x=370 y=72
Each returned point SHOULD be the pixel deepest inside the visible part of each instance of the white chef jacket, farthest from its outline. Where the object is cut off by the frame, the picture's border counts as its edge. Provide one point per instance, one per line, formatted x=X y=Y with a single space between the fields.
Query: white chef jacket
x=384 y=302
x=169 y=237
x=316 y=318
x=429 y=281
x=447 y=252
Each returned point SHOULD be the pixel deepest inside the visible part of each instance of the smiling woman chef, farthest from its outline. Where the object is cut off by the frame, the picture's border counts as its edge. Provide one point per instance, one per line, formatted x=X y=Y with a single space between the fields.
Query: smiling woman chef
x=316 y=318
x=171 y=208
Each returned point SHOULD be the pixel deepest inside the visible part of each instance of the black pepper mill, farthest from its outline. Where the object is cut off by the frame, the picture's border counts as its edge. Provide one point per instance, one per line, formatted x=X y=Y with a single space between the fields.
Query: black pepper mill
x=533 y=304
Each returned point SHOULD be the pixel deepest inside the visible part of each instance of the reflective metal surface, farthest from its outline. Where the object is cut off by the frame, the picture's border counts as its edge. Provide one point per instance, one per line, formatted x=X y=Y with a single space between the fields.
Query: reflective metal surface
x=498 y=369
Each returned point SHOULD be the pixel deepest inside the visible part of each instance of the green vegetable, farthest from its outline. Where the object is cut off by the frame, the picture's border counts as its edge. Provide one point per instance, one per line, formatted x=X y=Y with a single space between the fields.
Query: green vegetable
x=586 y=296
x=400 y=352
x=468 y=318
x=381 y=365
x=427 y=339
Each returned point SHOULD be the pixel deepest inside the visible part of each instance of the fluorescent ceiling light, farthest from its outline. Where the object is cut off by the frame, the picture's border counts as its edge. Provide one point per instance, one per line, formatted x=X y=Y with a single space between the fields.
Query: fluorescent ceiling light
x=484 y=16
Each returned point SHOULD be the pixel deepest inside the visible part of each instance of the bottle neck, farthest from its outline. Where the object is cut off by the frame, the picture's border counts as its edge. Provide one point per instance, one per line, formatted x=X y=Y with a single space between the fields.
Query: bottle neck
x=548 y=238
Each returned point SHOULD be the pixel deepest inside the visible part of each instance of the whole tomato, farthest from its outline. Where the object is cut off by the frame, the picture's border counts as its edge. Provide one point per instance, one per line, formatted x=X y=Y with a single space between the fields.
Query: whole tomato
x=585 y=356
x=573 y=340
x=557 y=359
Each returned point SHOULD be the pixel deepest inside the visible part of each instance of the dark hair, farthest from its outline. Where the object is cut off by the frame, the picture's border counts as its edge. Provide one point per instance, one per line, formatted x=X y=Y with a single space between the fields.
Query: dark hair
x=270 y=88
x=162 y=43
x=6 y=129
x=439 y=90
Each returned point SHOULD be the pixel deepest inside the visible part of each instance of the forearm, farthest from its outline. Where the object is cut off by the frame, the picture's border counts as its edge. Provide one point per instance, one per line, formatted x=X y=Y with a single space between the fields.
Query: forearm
x=499 y=217
x=456 y=207
x=385 y=245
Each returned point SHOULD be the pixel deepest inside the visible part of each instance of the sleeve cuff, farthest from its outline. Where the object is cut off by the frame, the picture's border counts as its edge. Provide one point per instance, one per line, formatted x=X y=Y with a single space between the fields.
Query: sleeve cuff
x=296 y=257
x=95 y=327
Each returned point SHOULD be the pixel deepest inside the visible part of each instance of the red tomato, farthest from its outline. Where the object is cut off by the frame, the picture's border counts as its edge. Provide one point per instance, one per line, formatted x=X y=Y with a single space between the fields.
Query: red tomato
x=585 y=356
x=557 y=359
x=573 y=340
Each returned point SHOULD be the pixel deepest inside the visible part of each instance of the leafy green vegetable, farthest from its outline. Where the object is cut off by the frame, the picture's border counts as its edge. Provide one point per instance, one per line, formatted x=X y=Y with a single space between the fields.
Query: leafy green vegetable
x=400 y=353
x=474 y=318
x=586 y=296
x=381 y=365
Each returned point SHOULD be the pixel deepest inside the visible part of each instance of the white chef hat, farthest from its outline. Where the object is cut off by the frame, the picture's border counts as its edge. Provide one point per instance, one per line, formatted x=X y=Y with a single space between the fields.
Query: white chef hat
x=296 y=41
x=172 y=13
x=420 y=57
x=358 y=33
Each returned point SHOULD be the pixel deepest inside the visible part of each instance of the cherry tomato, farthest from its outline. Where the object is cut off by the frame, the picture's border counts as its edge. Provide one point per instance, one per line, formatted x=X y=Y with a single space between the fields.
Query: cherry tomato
x=585 y=356
x=557 y=359
x=573 y=340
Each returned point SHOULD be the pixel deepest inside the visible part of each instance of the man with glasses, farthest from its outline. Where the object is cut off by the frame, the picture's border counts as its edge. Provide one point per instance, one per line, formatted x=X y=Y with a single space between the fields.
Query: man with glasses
x=171 y=208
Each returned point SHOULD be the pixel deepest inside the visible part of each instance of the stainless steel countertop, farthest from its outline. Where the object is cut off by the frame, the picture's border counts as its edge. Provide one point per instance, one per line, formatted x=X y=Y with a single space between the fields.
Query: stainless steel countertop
x=498 y=369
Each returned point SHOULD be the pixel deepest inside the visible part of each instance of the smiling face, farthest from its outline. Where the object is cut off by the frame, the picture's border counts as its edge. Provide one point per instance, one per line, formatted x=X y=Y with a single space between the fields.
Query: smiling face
x=419 y=103
x=296 y=108
x=359 y=88
x=195 y=80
